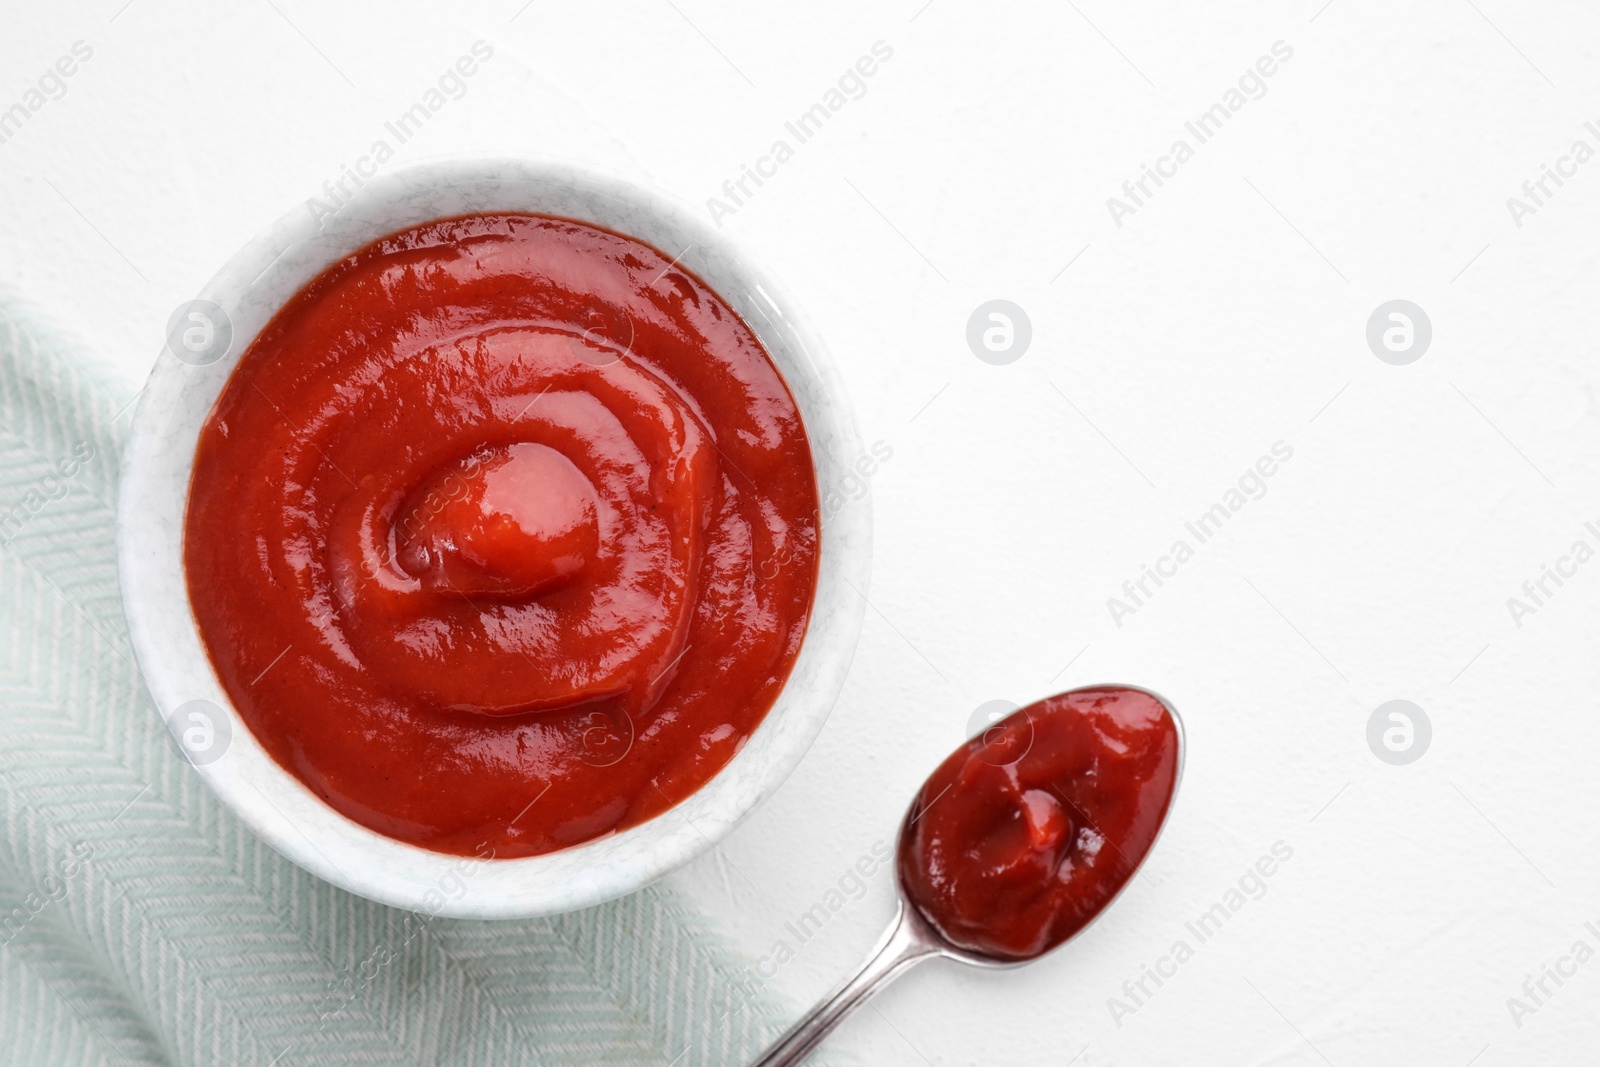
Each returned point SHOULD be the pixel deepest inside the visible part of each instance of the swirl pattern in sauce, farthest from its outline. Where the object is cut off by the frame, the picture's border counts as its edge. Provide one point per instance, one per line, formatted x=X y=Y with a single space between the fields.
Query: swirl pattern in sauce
x=503 y=534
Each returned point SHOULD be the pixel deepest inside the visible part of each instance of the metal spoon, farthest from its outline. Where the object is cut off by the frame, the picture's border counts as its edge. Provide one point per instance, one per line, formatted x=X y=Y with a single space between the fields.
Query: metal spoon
x=911 y=939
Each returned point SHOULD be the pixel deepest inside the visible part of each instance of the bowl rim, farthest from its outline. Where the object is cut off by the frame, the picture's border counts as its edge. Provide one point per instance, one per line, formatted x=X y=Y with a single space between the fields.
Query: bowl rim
x=250 y=287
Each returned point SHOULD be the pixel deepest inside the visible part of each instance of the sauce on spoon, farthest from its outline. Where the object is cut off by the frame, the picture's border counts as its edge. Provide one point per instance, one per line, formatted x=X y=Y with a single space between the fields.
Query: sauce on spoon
x=1017 y=841
x=1025 y=833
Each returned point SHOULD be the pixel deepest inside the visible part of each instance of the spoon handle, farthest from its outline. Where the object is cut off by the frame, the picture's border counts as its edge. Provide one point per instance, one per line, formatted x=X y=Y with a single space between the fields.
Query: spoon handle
x=902 y=946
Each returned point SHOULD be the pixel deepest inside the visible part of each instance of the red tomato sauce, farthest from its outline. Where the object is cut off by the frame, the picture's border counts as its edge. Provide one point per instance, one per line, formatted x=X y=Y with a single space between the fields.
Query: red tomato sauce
x=503 y=533
x=1025 y=833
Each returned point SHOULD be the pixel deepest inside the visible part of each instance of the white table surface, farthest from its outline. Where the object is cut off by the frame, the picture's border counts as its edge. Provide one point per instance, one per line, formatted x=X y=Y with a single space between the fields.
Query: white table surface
x=1228 y=313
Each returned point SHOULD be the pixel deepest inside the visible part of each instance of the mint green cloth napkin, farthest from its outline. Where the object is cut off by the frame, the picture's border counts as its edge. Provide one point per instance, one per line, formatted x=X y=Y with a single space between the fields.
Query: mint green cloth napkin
x=140 y=922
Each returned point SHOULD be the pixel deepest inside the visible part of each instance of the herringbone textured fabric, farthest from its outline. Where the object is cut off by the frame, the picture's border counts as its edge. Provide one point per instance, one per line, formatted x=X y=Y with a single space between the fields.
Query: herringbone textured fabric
x=141 y=923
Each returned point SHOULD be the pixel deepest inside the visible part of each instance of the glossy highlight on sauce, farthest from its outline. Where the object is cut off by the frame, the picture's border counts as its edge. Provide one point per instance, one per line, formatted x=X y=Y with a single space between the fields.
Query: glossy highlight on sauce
x=503 y=534
x=1025 y=833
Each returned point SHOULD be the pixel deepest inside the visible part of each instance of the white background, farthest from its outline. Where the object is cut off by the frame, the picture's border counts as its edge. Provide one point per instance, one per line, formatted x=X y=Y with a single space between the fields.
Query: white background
x=1229 y=313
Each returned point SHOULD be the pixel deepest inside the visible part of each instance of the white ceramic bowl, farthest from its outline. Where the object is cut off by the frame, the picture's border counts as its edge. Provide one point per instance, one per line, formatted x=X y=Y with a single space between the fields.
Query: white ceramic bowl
x=156 y=469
